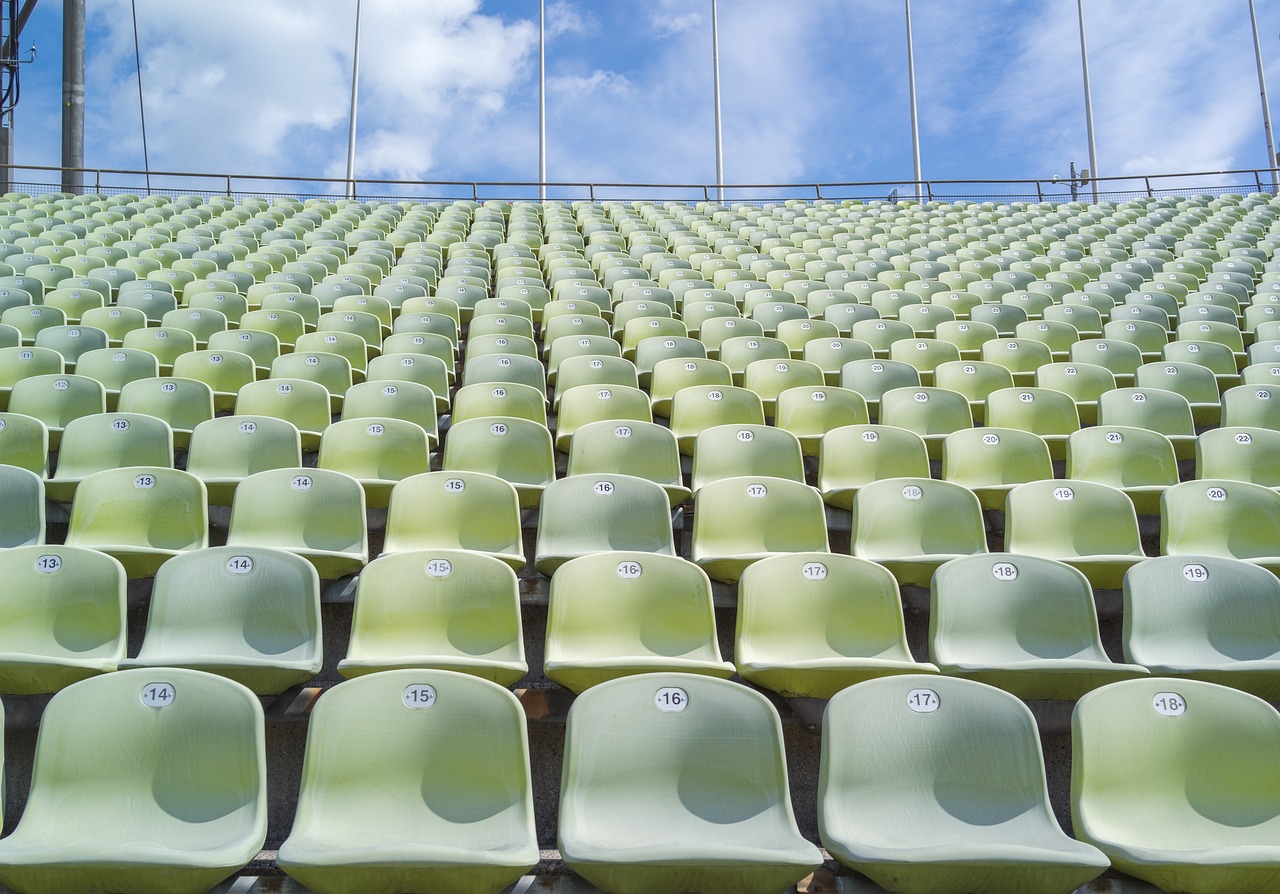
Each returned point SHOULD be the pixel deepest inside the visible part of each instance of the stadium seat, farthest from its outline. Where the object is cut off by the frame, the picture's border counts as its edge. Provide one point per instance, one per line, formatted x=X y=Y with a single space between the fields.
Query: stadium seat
x=455 y=510
x=248 y=613
x=585 y=514
x=729 y=451
x=167 y=344
x=301 y=403
x=1239 y=454
x=642 y=449
x=116 y=367
x=1024 y=624
x=446 y=609
x=1084 y=383
x=263 y=347
x=227 y=449
x=24 y=442
x=1206 y=618
x=17 y=363
x=809 y=412
x=913 y=525
x=975 y=379
x=225 y=372
x=585 y=404
x=1137 y=461
x=590 y=369
x=631 y=821
x=811 y=624
x=1021 y=356
x=1121 y=357
x=1252 y=406
x=1090 y=526
x=1175 y=781
x=333 y=371
x=658 y=618
x=414 y=780
x=736 y=522
x=932 y=413
x=854 y=455
x=696 y=408
x=1154 y=409
x=317 y=513
x=992 y=461
x=932 y=784
x=182 y=403
x=165 y=774
x=71 y=341
x=1216 y=517
x=57 y=399
x=407 y=401
x=516 y=450
x=1194 y=382
x=108 y=441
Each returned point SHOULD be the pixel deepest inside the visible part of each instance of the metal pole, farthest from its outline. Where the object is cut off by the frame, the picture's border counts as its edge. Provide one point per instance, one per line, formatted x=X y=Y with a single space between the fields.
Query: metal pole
x=1266 y=106
x=142 y=109
x=1088 y=104
x=542 y=100
x=715 y=78
x=72 y=95
x=915 y=119
x=351 y=133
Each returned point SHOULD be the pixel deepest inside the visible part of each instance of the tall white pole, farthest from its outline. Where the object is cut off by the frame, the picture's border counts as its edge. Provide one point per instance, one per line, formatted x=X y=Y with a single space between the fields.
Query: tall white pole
x=915 y=118
x=1088 y=104
x=542 y=100
x=351 y=132
x=1266 y=106
x=715 y=79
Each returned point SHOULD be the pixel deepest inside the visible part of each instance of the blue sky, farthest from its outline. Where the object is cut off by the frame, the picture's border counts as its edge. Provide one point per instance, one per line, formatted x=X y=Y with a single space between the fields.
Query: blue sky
x=813 y=90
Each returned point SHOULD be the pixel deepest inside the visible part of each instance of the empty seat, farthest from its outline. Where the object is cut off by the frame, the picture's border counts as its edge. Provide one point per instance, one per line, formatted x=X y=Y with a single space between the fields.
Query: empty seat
x=854 y=455
x=1025 y=624
x=658 y=617
x=699 y=407
x=1089 y=526
x=303 y=404
x=24 y=442
x=1239 y=454
x=108 y=441
x=248 y=613
x=57 y=399
x=225 y=372
x=455 y=510
x=143 y=516
x=585 y=404
x=1084 y=383
x=376 y=452
x=116 y=367
x=975 y=379
x=913 y=525
x=446 y=609
x=992 y=461
x=167 y=344
x=585 y=514
x=1050 y=414
x=728 y=451
x=643 y=449
x=182 y=403
x=317 y=513
x=414 y=780
x=1176 y=782
x=630 y=820
x=932 y=784
x=736 y=522
x=1216 y=517
x=1137 y=461
x=516 y=450
x=1154 y=409
x=811 y=624
x=1194 y=382
x=932 y=413
x=64 y=617
x=1205 y=617
x=225 y=450
x=1252 y=406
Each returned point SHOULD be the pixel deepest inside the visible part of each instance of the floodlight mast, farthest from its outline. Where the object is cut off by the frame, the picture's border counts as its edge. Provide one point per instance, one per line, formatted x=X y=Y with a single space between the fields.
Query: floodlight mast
x=1088 y=104
x=12 y=21
x=715 y=77
x=72 y=95
x=915 y=118
x=351 y=129
x=1272 y=161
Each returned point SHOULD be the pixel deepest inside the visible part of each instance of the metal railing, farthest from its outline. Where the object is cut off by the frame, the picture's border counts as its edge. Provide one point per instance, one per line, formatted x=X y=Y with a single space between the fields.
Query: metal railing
x=45 y=179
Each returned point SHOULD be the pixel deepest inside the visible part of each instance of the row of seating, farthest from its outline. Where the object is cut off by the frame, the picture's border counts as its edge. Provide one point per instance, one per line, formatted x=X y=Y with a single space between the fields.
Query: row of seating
x=420 y=779
x=808 y=625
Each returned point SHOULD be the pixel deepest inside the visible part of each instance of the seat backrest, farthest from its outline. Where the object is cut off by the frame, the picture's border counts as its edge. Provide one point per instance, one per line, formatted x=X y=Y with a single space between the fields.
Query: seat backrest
x=598 y=513
x=1239 y=453
x=1121 y=456
x=454 y=510
x=906 y=517
x=1220 y=518
x=300 y=509
x=1070 y=518
x=24 y=442
x=731 y=450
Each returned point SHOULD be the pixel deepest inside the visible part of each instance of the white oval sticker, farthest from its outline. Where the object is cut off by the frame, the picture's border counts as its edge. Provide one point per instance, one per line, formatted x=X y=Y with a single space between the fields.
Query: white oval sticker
x=419 y=695
x=630 y=570
x=439 y=567
x=813 y=571
x=671 y=699
x=923 y=701
x=1169 y=704
x=240 y=564
x=49 y=564
x=158 y=695
x=1004 y=571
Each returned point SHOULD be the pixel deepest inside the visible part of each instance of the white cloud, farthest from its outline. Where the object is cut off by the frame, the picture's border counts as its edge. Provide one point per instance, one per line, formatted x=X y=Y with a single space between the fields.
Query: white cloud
x=564 y=18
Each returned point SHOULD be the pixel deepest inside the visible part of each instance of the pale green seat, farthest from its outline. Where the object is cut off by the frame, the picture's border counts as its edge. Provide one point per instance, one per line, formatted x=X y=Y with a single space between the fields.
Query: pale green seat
x=855 y=455
x=116 y=367
x=737 y=521
x=809 y=412
x=517 y=450
x=499 y=399
x=447 y=609
x=227 y=449
x=225 y=372
x=811 y=624
x=658 y=617
x=143 y=516
x=376 y=452
x=182 y=403
x=935 y=785
x=696 y=408
x=1025 y=624
x=585 y=514
x=1166 y=412
x=641 y=449
x=1090 y=526
x=992 y=461
x=409 y=401
x=317 y=513
x=248 y=613
x=1216 y=517
x=1239 y=454
x=56 y=399
x=1207 y=618
x=1139 y=462
x=108 y=441
x=730 y=451
x=1177 y=782
x=62 y=617
x=24 y=442
x=1042 y=411
x=303 y=404
x=128 y=797
x=585 y=404
x=678 y=782
x=913 y=525
x=18 y=363
x=1253 y=406
x=932 y=413
x=456 y=510
x=414 y=780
